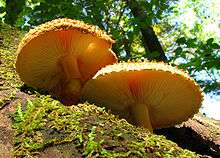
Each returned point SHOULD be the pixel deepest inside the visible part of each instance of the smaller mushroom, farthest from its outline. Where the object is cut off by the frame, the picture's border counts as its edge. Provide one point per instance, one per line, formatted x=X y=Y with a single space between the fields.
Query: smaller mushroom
x=61 y=55
x=147 y=94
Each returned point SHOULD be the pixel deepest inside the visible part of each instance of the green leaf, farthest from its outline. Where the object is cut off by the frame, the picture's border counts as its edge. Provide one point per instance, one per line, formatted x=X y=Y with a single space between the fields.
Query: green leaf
x=181 y=40
x=191 y=43
x=2 y=3
x=178 y=51
x=215 y=46
x=2 y=9
x=209 y=65
x=209 y=41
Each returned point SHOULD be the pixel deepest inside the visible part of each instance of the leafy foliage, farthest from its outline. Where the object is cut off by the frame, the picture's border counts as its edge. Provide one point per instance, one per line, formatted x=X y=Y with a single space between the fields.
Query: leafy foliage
x=199 y=58
x=178 y=24
x=113 y=16
x=194 y=44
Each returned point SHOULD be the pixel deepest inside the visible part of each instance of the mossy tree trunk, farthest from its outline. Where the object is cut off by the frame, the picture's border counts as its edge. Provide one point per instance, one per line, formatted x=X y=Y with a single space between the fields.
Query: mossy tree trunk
x=35 y=125
x=200 y=134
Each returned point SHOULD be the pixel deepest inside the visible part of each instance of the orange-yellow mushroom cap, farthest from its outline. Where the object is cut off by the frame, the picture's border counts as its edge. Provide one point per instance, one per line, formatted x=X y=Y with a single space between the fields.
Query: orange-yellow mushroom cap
x=148 y=94
x=61 y=55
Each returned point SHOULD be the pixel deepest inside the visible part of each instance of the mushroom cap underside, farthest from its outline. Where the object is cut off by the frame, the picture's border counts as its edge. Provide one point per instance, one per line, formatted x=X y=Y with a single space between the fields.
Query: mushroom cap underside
x=170 y=94
x=54 y=53
x=39 y=61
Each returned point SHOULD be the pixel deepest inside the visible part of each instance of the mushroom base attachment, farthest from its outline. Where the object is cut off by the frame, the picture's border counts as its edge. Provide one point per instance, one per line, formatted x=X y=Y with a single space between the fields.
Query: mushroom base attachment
x=71 y=92
x=74 y=86
x=140 y=116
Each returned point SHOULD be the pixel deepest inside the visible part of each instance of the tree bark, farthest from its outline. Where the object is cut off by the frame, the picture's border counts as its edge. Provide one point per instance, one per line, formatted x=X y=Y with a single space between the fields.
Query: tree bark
x=150 y=40
x=199 y=134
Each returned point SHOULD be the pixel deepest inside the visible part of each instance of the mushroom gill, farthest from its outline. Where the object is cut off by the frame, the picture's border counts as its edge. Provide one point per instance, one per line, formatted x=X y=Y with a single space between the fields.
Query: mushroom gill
x=147 y=94
x=61 y=55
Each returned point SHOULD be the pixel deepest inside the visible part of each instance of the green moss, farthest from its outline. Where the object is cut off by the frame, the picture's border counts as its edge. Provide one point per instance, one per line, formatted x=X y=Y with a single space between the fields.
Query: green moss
x=94 y=132
x=9 y=38
x=9 y=80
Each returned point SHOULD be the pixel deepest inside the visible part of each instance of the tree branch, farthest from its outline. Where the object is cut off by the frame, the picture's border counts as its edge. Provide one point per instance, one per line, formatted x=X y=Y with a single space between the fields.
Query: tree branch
x=150 y=40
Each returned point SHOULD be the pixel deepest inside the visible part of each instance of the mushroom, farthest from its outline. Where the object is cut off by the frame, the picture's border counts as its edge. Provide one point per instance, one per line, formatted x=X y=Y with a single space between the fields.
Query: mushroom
x=147 y=94
x=61 y=55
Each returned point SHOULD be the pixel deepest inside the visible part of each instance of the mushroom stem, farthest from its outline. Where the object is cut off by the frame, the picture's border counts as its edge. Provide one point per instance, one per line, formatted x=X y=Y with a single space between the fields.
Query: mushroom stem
x=70 y=67
x=141 y=117
x=74 y=86
x=71 y=92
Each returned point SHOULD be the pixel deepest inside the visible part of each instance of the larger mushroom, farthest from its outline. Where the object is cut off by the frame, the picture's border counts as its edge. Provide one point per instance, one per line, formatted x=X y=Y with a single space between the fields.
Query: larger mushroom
x=61 y=55
x=151 y=95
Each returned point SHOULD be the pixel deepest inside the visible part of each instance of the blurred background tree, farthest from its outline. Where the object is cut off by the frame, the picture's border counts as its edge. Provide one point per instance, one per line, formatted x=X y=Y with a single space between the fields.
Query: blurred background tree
x=184 y=33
